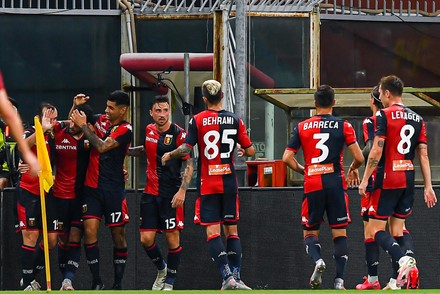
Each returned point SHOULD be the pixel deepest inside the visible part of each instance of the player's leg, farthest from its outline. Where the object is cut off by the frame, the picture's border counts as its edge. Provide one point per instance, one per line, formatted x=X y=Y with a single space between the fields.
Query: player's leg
x=233 y=248
x=173 y=259
x=150 y=225
x=73 y=256
x=338 y=218
x=340 y=255
x=28 y=209
x=312 y=212
x=173 y=222
x=209 y=214
x=71 y=237
x=233 y=243
x=39 y=260
x=52 y=233
x=92 y=211
x=371 y=281
x=116 y=216
x=120 y=255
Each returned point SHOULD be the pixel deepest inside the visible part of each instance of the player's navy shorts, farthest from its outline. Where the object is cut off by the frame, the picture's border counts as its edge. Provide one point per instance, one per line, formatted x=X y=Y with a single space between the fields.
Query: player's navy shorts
x=69 y=213
x=157 y=214
x=217 y=208
x=29 y=211
x=391 y=202
x=110 y=203
x=332 y=201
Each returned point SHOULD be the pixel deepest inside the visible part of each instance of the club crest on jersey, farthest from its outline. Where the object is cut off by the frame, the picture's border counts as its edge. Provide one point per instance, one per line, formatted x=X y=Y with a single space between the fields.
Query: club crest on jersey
x=84 y=208
x=114 y=129
x=168 y=139
x=31 y=222
x=86 y=144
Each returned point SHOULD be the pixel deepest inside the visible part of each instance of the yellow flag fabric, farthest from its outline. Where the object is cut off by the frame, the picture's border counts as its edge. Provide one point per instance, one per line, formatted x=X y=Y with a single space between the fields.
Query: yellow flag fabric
x=43 y=156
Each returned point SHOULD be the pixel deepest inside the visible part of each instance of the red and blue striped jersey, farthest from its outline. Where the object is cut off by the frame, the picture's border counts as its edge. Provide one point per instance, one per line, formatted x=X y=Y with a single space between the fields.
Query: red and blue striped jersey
x=403 y=130
x=322 y=138
x=217 y=133
x=105 y=170
x=163 y=180
x=71 y=157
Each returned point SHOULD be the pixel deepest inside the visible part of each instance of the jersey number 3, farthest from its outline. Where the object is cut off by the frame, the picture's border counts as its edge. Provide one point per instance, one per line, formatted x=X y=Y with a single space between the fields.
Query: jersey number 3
x=323 y=137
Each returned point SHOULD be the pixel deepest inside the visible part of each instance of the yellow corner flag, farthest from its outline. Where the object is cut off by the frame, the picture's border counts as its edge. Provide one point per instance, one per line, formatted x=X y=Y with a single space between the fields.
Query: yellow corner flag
x=43 y=156
x=46 y=181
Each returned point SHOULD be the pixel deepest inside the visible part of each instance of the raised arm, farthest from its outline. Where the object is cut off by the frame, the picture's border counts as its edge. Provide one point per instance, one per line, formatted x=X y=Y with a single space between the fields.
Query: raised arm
x=11 y=117
x=80 y=119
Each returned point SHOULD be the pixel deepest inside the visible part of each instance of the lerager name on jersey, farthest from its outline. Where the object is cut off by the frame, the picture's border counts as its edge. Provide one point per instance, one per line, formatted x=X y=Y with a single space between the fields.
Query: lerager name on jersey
x=323 y=124
x=405 y=115
x=219 y=120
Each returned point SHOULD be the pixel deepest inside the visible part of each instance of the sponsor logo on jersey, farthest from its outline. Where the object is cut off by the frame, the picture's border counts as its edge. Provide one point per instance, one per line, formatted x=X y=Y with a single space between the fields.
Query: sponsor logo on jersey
x=219 y=169
x=320 y=169
x=152 y=140
x=402 y=165
x=168 y=139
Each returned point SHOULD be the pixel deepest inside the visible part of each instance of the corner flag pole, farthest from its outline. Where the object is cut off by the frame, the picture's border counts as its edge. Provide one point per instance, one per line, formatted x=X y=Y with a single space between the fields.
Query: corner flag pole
x=46 y=182
x=45 y=239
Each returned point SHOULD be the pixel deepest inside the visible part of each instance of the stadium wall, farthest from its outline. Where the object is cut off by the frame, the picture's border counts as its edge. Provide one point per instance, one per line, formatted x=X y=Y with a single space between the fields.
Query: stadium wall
x=271 y=234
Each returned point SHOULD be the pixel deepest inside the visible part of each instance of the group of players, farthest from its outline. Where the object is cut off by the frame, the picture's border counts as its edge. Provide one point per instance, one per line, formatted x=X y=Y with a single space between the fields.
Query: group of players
x=88 y=152
x=393 y=136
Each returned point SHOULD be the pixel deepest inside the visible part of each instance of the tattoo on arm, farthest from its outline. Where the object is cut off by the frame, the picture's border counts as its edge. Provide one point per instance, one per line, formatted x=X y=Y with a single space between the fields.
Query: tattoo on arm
x=93 y=139
x=187 y=174
x=181 y=151
x=373 y=162
x=380 y=143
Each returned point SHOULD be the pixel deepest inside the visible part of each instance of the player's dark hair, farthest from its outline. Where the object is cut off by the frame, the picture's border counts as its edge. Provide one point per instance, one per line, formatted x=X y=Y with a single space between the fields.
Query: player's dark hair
x=42 y=106
x=375 y=94
x=88 y=111
x=159 y=99
x=393 y=84
x=212 y=90
x=119 y=97
x=324 y=96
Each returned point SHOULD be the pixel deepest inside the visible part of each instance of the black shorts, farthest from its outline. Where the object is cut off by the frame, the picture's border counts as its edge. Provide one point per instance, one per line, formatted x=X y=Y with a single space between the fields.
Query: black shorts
x=110 y=203
x=157 y=214
x=217 y=208
x=29 y=211
x=69 y=213
x=391 y=202
x=334 y=202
